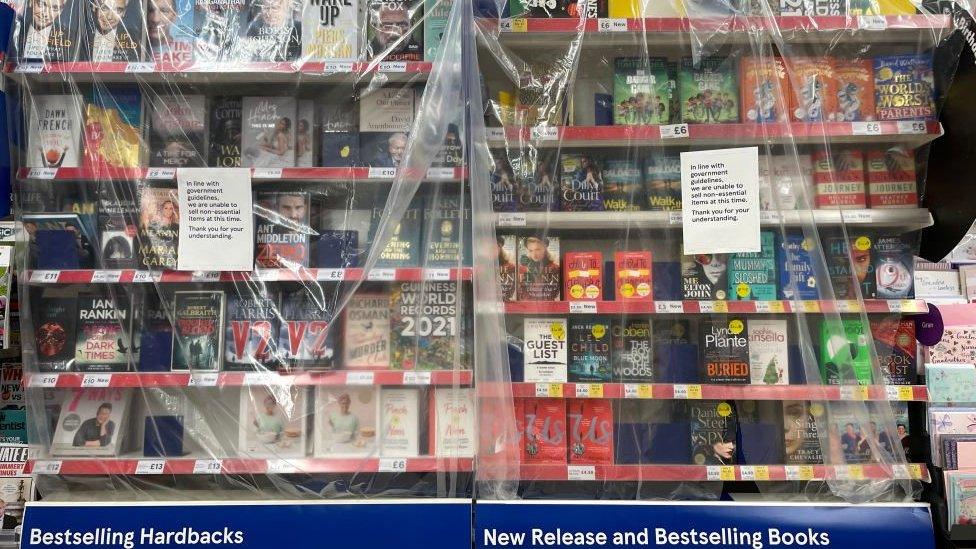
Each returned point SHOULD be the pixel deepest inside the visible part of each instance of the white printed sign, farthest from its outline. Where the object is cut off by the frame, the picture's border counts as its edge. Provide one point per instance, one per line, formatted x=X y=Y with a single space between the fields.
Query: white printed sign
x=216 y=219
x=720 y=204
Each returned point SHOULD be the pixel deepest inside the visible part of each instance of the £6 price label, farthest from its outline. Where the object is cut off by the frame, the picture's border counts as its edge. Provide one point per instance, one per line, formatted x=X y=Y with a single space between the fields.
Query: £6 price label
x=611 y=25
x=392 y=465
x=674 y=131
x=866 y=128
x=912 y=127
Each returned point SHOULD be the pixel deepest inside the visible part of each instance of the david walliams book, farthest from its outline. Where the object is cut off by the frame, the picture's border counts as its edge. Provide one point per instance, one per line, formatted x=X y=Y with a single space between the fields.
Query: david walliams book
x=904 y=87
x=249 y=340
x=198 y=330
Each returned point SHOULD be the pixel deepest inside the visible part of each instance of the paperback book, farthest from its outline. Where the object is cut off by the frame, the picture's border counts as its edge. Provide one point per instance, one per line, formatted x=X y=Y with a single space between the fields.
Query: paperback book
x=538 y=190
x=404 y=246
x=51 y=32
x=662 y=182
x=704 y=276
x=330 y=30
x=581 y=184
x=894 y=266
x=225 y=132
x=436 y=16
x=797 y=279
x=725 y=351
x=713 y=428
x=815 y=92
x=539 y=271
x=113 y=127
x=769 y=358
x=766 y=90
x=544 y=348
x=282 y=230
x=113 y=31
x=507 y=268
x=641 y=91
x=849 y=438
x=345 y=421
x=590 y=424
x=543 y=430
x=177 y=131
x=633 y=276
x=159 y=227
x=92 y=422
x=452 y=427
x=801 y=438
x=306 y=332
x=367 y=338
x=589 y=350
x=622 y=185
x=850 y=267
x=399 y=418
x=845 y=355
x=427 y=326
x=268 y=139
x=118 y=218
x=198 y=330
x=249 y=340
x=709 y=91
x=752 y=275
x=506 y=192
x=855 y=89
x=583 y=276
x=54 y=135
x=632 y=351
x=904 y=87
x=272 y=422
x=104 y=333
x=891 y=178
x=894 y=339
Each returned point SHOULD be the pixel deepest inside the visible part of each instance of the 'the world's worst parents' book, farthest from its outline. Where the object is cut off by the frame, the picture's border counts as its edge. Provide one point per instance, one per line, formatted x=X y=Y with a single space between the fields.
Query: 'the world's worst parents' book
x=282 y=230
x=198 y=334
x=250 y=340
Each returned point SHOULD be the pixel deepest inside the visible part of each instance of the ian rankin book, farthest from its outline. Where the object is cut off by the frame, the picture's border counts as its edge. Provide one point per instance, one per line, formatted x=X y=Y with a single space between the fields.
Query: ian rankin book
x=54 y=135
x=452 y=429
x=399 y=416
x=713 y=432
x=282 y=230
x=118 y=218
x=225 y=132
x=725 y=351
x=113 y=31
x=272 y=422
x=801 y=438
x=768 y=351
x=344 y=422
x=330 y=30
x=250 y=340
x=367 y=338
x=54 y=314
x=306 y=335
x=159 y=227
x=198 y=330
x=104 y=333
x=177 y=131
x=426 y=325
x=92 y=422
x=544 y=347
x=269 y=132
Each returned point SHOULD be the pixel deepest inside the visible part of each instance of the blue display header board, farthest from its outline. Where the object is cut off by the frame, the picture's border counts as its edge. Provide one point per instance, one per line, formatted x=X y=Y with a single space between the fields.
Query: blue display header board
x=720 y=525
x=414 y=524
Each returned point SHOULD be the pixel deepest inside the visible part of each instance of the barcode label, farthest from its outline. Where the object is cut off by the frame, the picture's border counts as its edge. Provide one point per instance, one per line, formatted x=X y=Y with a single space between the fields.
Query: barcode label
x=359 y=378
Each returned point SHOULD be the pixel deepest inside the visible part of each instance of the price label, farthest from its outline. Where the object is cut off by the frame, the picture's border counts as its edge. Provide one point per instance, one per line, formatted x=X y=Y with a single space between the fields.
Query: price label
x=44 y=380
x=589 y=390
x=161 y=173
x=763 y=307
x=611 y=25
x=582 y=307
x=810 y=306
x=853 y=392
x=687 y=392
x=382 y=275
x=437 y=274
x=770 y=217
x=761 y=472
x=281 y=466
x=674 y=131
x=30 y=67
x=96 y=380
x=330 y=274
x=392 y=465
x=511 y=219
x=42 y=173
x=416 y=378
x=581 y=472
x=857 y=216
x=267 y=275
x=440 y=174
x=359 y=378
x=205 y=276
x=706 y=306
x=866 y=128
x=544 y=133
x=150 y=466
x=899 y=392
x=207 y=466
x=381 y=173
x=47 y=467
x=496 y=134
x=549 y=390
x=44 y=277
x=260 y=379
x=848 y=306
x=266 y=173
x=393 y=66
x=202 y=379
x=855 y=472
x=916 y=470
x=638 y=390
x=896 y=306
x=505 y=25
x=140 y=66
x=145 y=276
x=106 y=277
x=337 y=67
x=720 y=472
x=747 y=472
x=872 y=22
x=912 y=127
x=520 y=25
x=797 y=472
x=777 y=307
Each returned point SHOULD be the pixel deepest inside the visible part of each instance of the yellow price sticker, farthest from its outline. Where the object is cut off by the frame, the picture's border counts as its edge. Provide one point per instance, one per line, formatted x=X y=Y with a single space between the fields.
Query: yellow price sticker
x=916 y=470
x=862 y=243
x=853 y=306
x=905 y=393
x=520 y=25
x=806 y=472
x=856 y=472
x=811 y=306
x=727 y=472
x=644 y=391
x=777 y=307
x=736 y=326
x=596 y=390
x=556 y=390
x=762 y=472
x=721 y=307
x=695 y=391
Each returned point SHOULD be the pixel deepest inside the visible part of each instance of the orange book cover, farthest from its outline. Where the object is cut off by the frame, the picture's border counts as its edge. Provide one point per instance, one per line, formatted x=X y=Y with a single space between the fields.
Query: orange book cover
x=855 y=90
x=765 y=89
x=814 y=89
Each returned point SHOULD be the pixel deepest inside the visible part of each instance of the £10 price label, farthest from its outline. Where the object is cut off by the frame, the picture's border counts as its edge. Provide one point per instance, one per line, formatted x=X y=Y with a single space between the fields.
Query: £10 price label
x=96 y=380
x=44 y=380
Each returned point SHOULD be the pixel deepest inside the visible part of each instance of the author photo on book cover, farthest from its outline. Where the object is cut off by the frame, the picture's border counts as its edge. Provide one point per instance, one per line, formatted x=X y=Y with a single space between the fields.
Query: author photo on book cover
x=96 y=431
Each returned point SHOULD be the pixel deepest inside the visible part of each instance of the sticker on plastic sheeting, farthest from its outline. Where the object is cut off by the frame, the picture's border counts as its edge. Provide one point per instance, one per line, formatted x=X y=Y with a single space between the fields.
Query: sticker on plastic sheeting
x=216 y=219
x=720 y=209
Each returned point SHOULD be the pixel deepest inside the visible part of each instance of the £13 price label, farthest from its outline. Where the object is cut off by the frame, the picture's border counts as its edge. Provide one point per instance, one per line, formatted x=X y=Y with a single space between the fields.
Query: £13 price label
x=150 y=466
x=207 y=466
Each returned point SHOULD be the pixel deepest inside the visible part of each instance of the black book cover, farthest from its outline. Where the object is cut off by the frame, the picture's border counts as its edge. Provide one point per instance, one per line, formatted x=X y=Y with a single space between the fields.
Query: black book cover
x=307 y=333
x=849 y=264
x=281 y=230
x=225 y=132
x=198 y=318
x=177 y=131
x=394 y=30
x=273 y=33
x=155 y=343
x=54 y=331
x=713 y=432
x=403 y=248
x=251 y=339
x=632 y=353
x=340 y=133
x=450 y=155
x=113 y=31
x=589 y=350
x=704 y=277
x=218 y=26
x=104 y=333
x=800 y=435
x=444 y=225
x=118 y=217
x=427 y=325
x=725 y=351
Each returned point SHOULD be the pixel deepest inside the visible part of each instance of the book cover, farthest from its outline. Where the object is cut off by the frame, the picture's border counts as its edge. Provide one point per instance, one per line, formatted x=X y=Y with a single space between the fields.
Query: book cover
x=268 y=139
x=436 y=15
x=51 y=32
x=589 y=350
x=307 y=332
x=844 y=352
x=394 y=30
x=170 y=29
x=451 y=153
x=113 y=127
x=427 y=324
x=765 y=89
x=54 y=330
x=272 y=33
x=159 y=227
x=662 y=182
x=403 y=247
x=352 y=217
x=543 y=432
x=848 y=436
x=443 y=225
x=367 y=338
x=225 y=132
x=904 y=87
x=507 y=267
x=544 y=348
x=345 y=421
x=811 y=8
x=249 y=339
x=177 y=131
x=641 y=91
x=635 y=9
x=894 y=339
x=155 y=343
x=769 y=359
x=330 y=30
x=538 y=269
x=452 y=427
x=850 y=267
x=704 y=276
x=797 y=279
x=506 y=192
x=218 y=25
x=752 y=275
x=725 y=351
x=632 y=350
x=583 y=276
x=558 y=9
x=622 y=185
x=855 y=89
x=539 y=189
x=118 y=218
x=709 y=91
x=839 y=179
x=713 y=428
x=399 y=416
x=633 y=276
x=386 y=117
x=581 y=184
x=54 y=134
x=113 y=31
x=891 y=178
x=281 y=228
x=198 y=330
x=92 y=422
x=791 y=181
x=815 y=89
x=801 y=438
x=103 y=333
x=272 y=422
x=590 y=424
x=894 y=266
x=339 y=123
x=305 y=134
x=59 y=241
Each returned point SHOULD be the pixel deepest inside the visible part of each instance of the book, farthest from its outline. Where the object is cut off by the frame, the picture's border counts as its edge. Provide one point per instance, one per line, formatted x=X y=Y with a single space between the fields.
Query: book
x=811 y=8
x=92 y=422
x=538 y=190
x=386 y=116
x=338 y=120
x=427 y=324
x=394 y=30
x=506 y=192
x=344 y=422
x=641 y=91
x=662 y=182
x=797 y=279
x=155 y=341
x=713 y=432
x=704 y=276
x=752 y=275
x=589 y=350
x=330 y=30
x=849 y=266
x=581 y=184
x=543 y=430
x=281 y=228
x=366 y=337
x=904 y=87
x=801 y=438
x=436 y=16
x=790 y=181
x=272 y=422
x=633 y=276
x=59 y=241
x=217 y=28
x=272 y=33
x=103 y=333
x=177 y=131
x=590 y=424
x=249 y=338
x=894 y=339
x=709 y=90
x=634 y=9
x=538 y=268
x=622 y=185
x=399 y=416
x=113 y=31
x=54 y=133
x=452 y=427
x=839 y=179
x=891 y=178
x=307 y=332
x=51 y=32
x=198 y=330
x=848 y=436
x=894 y=266
x=171 y=31
x=845 y=355
x=268 y=137
x=725 y=351
x=558 y=8
x=815 y=89
x=225 y=132
x=769 y=358
x=765 y=89
x=855 y=89
x=583 y=276
x=54 y=317
x=403 y=249
x=305 y=134
x=632 y=350
x=118 y=218
x=544 y=347
x=113 y=127
x=159 y=227
x=444 y=220
x=507 y=267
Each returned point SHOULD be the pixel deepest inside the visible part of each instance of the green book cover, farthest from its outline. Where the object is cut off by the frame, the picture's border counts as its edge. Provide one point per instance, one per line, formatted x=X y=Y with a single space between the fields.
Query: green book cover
x=641 y=91
x=709 y=92
x=844 y=352
x=752 y=275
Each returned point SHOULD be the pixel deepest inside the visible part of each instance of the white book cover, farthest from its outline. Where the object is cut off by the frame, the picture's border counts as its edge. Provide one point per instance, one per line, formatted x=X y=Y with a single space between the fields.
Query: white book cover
x=399 y=415
x=305 y=134
x=330 y=30
x=272 y=422
x=768 y=352
x=453 y=434
x=544 y=348
x=345 y=421
x=92 y=422
x=54 y=138
x=269 y=132
x=787 y=181
x=387 y=110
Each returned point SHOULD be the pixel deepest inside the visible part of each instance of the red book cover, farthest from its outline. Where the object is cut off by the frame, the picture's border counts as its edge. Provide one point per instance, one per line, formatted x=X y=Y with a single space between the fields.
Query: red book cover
x=632 y=273
x=855 y=90
x=583 y=276
x=839 y=178
x=814 y=89
x=544 y=430
x=590 y=423
x=891 y=178
x=765 y=91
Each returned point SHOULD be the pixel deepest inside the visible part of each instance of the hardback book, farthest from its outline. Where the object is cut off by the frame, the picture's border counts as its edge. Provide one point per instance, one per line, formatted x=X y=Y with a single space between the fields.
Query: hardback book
x=507 y=267
x=632 y=353
x=118 y=219
x=436 y=15
x=704 y=276
x=797 y=279
x=811 y=8
x=282 y=230
x=633 y=276
x=386 y=116
x=54 y=315
x=662 y=182
x=452 y=427
x=635 y=9
x=589 y=350
x=849 y=266
x=814 y=89
x=958 y=345
x=426 y=326
x=336 y=250
x=177 y=131
x=590 y=9
x=904 y=87
x=218 y=25
x=113 y=32
x=54 y=134
x=268 y=139
x=752 y=275
x=339 y=123
x=307 y=332
x=352 y=217
x=155 y=333
x=894 y=340
x=542 y=423
x=273 y=422
x=855 y=89
x=545 y=350
x=641 y=91
x=713 y=429
x=845 y=354
x=839 y=179
x=399 y=418
x=249 y=339
x=367 y=338
x=305 y=134
x=272 y=34
x=583 y=276
x=444 y=219
x=113 y=127
x=581 y=184
x=104 y=333
x=725 y=351
x=51 y=33
x=394 y=30
x=623 y=185
x=769 y=357
x=894 y=266
x=538 y=191
x=92 y=422
x=404 y=246
x=538 y=268
x=330 y=30
x=198 y=330
x=891 y=178
x=171 y=31
x=225 y=132
x=590 y=425
x=345 y=421
x=801 y=438
x=709 y=90
x=159 y=227
x=765 y=89
x=59 y=241
x=849 y=438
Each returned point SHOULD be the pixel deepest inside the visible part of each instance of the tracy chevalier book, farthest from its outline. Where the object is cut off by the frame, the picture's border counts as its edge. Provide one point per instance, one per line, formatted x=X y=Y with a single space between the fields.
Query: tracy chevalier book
x=590 y=426
x=544 y=348
x=272 y=33
x=307 y=332
x=801 y=438
x=581 y=184
x=845 y=354
x=54 y=133
x=769 y=359
x=725 y=351
x=225 y=132
x=104 y=333
x=272 y=422
x=330 y=30
x=713 y=428
x=894 y=339
x=394 y=30
x=632 y=350
x=250 y=339
x=399 y=418
x=268 y=132
x=345 y=421
x=92 y=422
x=218 y=25
x=507 y=267
x=113 y=127
x=641 y=91
x=198 y=330
x=403 y=247
x=51 y=32
x=704 y=276
x=159 y=227
x=427 y=325
x=589 y=350
x=118 y=219
x=54 y=330
x=170 y=30
x=367 y=338
x=752 y=275
x=539 y=272
x=282 y=230
x=452 y=428
x=113 y=31
x=709 y=90
x=177 y=132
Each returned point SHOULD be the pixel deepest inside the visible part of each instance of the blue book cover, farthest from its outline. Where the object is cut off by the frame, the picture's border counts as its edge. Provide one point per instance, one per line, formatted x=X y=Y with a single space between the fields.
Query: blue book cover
x=589 y=350
x=13 y=426
x=163 y=436
x=155 y=341
x=336 y=250
x=444 y=224
x=59 y=241
x=752 y=275
x=622 y=185
x=581 y=184
x=403 y=248
x=796 y=277
x=504 y=189
x=340 y=149
x=904 y=87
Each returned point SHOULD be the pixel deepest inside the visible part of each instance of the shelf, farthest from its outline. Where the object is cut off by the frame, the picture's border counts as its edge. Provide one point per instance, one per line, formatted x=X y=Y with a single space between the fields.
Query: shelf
x=190 y=466
x=247 y=379
x=909 y=219
x=908 y=132
x=669 y=391
x=127 y=276
x=901 y=306
x=258 y=175
x=721 y=472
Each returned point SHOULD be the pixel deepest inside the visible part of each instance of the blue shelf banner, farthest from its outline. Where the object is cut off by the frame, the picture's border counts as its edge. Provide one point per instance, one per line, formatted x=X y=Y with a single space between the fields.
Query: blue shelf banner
x=413 y=524
x=718 y=525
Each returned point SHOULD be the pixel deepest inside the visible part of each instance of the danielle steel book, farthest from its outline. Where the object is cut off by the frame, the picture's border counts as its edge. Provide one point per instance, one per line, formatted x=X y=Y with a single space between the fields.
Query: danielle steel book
x=713 y=429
